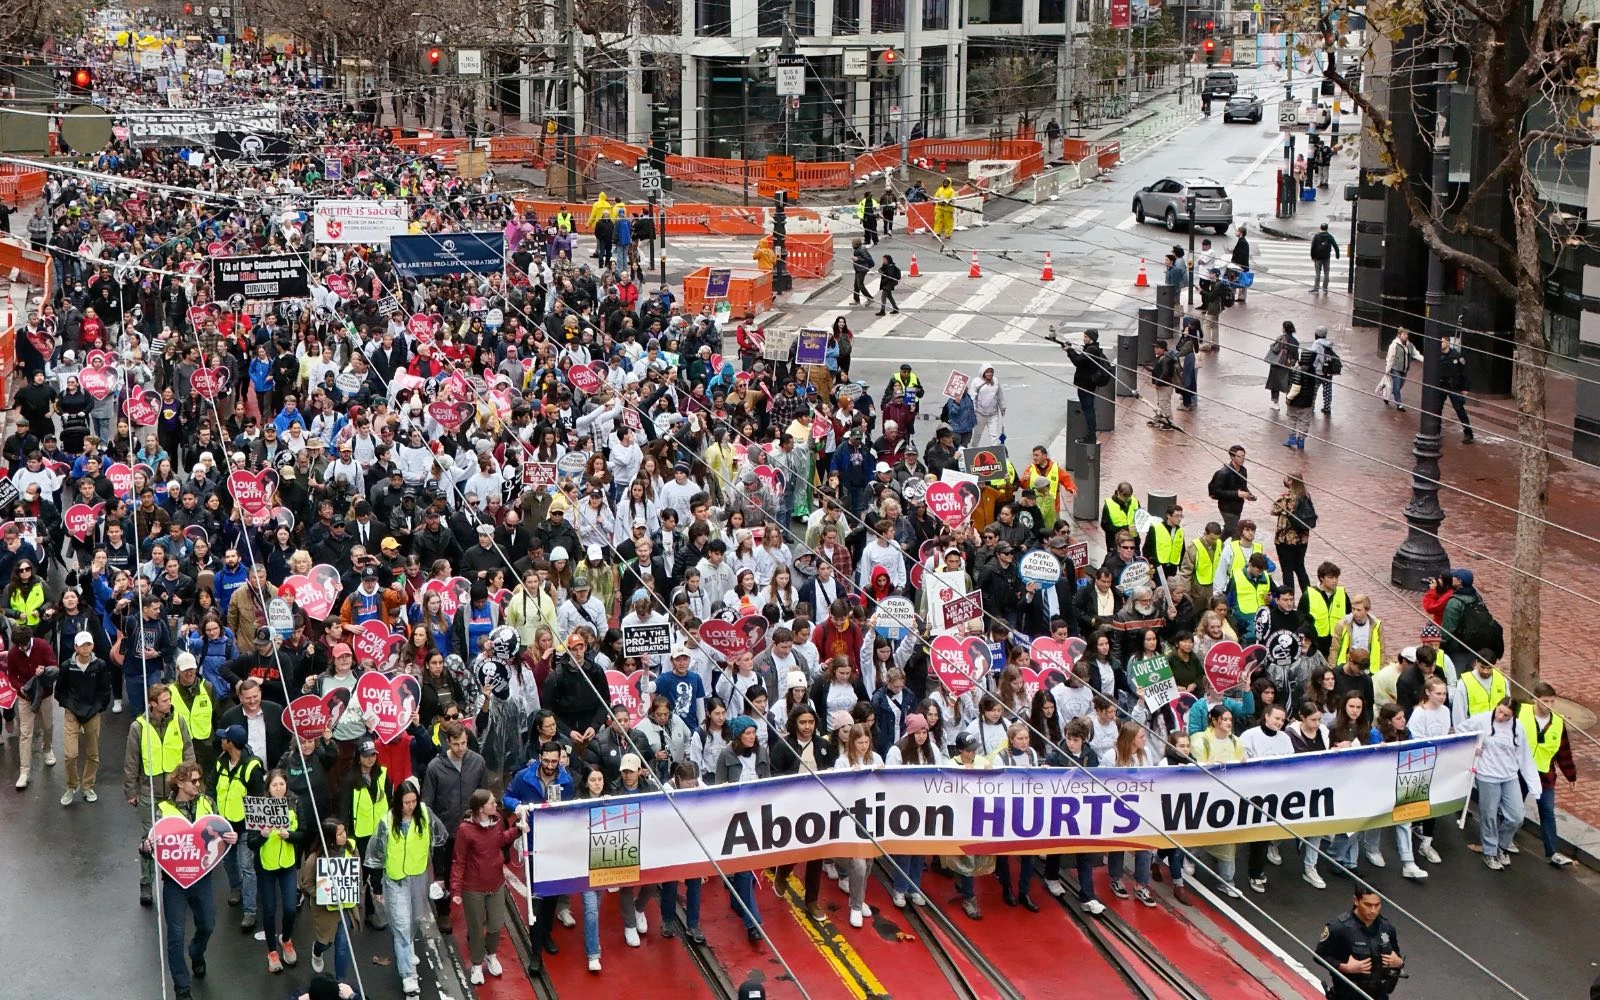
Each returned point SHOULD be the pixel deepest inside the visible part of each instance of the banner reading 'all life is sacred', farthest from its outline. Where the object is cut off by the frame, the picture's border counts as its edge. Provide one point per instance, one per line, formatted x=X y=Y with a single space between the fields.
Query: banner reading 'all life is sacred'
x=954 y=811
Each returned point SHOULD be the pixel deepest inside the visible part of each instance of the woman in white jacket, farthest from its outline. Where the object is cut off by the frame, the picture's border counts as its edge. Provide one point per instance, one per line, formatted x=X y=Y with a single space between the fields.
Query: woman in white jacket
x=1505 y=774
x=1396 y=364
x=1430 y=721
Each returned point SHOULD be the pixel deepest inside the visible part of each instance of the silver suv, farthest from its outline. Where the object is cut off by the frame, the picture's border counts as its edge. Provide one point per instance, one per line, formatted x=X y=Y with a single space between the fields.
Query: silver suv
x=1168 y=200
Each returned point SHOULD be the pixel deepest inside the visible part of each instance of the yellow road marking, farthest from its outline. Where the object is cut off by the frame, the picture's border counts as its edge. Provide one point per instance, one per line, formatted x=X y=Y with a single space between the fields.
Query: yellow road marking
x=833 y=947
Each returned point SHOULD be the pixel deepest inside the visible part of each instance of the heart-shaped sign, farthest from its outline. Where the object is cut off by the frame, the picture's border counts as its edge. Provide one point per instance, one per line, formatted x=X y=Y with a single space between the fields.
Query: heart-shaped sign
x=451 y=416
x=209 y=383
x=42 y=342
x=309 y=715
x=142 y=407
x=8 y=694
x=422 y=326
x=959 y=663
x=1057 y=654
x=253 y=491
x=731 y=638
x=952 y=503
x=99 y=360
x=453 y=593
x=741 y=377
x=374 y=641
x=314 y=592
x=339 y=285
x=98 y=382
x=584 y=379
x=121 y=476
x=390 y=700
x=1227 y=666
x=625 y=691
x=196 y=533
x=716 y=363
x=189 y=851
x=81 y=520
x=771 y=478
x=1033 y=681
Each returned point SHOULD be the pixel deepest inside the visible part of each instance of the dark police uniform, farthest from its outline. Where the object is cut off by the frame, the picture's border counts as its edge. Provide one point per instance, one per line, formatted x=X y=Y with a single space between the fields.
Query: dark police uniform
x=1347 y=938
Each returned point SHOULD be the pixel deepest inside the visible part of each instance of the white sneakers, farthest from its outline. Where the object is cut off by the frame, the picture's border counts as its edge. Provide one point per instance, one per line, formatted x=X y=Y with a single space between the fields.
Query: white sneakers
x=831 y=870
x=1375 y=859
x=1510 y=848
x=1273 y=857
x=477 y=975
x=116 y=706
x=491 y=965
x=316 y=961
x=855 y=917
x=594 y=964
x=67 y=797
x=642 y=922
x=631 y=936
x=918 y=899
x=1493 y=862
x=1561 y=860
x=89 y=795
x=844 y=884
x=1313 y=879
x=22 y=780
x=49 y=758
x=1093 y=907
x=1054 y=887
x=1425 y=848
x=1412 y=870
x=1258 y=885
x=565 y=916
x=1232 y=891
x=409 y=986
x=899 y=900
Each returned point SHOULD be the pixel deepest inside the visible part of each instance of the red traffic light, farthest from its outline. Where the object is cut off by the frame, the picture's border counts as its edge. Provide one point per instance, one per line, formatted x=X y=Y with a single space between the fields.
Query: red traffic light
x=82 y=79
x=1211 y=46
x=188 y=9
x=434 y=55
x=889 y=57
x=1211 y=26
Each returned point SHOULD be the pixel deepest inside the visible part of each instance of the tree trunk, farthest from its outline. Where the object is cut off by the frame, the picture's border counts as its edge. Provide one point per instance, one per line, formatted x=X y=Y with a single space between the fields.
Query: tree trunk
x=1533 y=478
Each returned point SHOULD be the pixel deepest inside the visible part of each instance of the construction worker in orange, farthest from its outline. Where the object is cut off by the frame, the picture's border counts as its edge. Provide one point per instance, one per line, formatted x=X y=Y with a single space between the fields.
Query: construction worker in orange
x=944 y=210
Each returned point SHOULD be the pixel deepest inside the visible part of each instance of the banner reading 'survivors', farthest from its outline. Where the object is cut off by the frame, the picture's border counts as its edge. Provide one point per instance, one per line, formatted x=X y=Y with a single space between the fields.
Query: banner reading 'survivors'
x=952 y=810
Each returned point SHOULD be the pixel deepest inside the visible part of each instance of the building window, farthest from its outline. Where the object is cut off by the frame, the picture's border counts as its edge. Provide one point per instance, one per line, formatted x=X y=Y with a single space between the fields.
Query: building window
x=935 y=15
x=770 y=15
x=713 y=17
x=805 y=17
x=847 y=17
x=1052 y=11
x=888 y=15
x=994 y=12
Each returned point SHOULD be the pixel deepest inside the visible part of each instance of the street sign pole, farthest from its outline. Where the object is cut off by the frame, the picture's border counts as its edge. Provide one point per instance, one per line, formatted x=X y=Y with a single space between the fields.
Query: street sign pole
x=1191 y=249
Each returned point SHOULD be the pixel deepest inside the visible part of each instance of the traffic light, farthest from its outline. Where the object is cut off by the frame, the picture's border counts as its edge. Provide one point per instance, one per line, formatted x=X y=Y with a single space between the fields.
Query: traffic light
x=188 y=10
x=82 y=80
x=435 y=56
x=888 y=64
x=1211 y=51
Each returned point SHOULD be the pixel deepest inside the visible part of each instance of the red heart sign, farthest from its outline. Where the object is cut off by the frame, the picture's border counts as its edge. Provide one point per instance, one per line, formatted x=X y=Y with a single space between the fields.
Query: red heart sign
x=391 y=700
x=771 y=478
x=952 y=503
x=8 y=694
x=584 y=379
x=741 y=377
x=253 y=491
x=142 y=407
x=1033 y=680
x=375 y=641
x=421 y=326
x=1050 y=653
x=121 y=476
x=450 y=416
x=309 y=715
x=959 y=663
x=732 y=638
x=99 y=360
x=1227 y=666
x=625 y=691
x=42 y=342
x=716 y=362
x=209 y=383
x=186 y=851
x=98 y=382
x=81 y=520
x=339 y=285
x=453 y=593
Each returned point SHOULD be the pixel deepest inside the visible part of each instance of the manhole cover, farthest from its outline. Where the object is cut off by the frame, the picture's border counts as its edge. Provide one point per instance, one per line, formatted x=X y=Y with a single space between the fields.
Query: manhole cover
x=1241 y=379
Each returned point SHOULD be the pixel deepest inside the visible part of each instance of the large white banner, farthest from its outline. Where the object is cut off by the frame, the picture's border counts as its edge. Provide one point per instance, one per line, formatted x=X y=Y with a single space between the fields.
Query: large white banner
x=359 y=220
x=950 y=810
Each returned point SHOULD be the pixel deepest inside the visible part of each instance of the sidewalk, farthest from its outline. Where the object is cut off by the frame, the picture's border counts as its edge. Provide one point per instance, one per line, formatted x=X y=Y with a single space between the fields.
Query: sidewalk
x=1330 y=206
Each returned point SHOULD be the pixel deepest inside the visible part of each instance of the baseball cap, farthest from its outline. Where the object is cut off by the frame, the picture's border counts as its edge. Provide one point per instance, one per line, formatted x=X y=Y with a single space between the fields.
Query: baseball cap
x=631 y=762
x=369 y=573
x=235 y=735
x=342 y=649
x=1003 y=548
x=1430 y=633
x=486 y=529
x=183 y=661
x=83 y=638
x=367 y=748
x=966 y=741
x=883 y=467
x=679 y=650
x=389 y=545
x=594 y=553
x=263 y=636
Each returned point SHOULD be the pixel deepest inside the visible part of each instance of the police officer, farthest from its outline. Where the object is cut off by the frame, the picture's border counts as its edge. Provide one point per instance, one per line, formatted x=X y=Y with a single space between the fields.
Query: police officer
x=1363 y=946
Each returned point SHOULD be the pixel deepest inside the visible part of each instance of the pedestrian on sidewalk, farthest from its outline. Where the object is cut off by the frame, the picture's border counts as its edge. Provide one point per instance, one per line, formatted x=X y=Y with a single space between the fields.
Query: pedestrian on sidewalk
x=1323 y=248
x=1230 y=488
x=1241 y=258
x=861 y=261
x=1190 y=342
x=1396 y=364
x=867 y=212
x=1328 y=364
x=1302 y=395
x=1453 y=381
x=1091 y=370
x=1164 y=376
x=1282 y=356
x=888 y=280
x=886 y=209
x=1214 y=298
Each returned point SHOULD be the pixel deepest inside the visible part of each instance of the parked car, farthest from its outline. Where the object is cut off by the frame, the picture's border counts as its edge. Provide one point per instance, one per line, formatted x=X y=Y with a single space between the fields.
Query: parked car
x=1168 y=200
x=1220 y=83
x=1244 y=108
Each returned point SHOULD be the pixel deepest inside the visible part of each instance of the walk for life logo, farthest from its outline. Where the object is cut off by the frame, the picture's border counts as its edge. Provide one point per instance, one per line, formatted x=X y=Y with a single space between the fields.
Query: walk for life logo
x=614 y=844
x=1413 y=783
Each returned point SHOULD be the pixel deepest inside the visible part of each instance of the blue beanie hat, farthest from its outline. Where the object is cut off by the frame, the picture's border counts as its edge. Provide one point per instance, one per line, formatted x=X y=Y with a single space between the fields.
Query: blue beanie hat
x=738 y=724
x=1463 y=576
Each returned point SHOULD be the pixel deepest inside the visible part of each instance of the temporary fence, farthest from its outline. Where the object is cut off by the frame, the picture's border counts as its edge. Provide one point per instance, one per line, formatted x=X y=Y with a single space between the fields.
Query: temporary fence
x=749 y=290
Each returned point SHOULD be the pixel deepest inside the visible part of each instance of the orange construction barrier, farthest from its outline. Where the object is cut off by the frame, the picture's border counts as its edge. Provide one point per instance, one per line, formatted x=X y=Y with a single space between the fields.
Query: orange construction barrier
x=749 y=290
x=810 y=255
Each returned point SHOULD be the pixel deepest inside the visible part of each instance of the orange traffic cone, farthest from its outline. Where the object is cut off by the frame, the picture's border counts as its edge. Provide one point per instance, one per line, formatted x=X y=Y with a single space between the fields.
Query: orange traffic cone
x=1141 y=281
x=1049 y=272
x=913 y=273
x=974 y=271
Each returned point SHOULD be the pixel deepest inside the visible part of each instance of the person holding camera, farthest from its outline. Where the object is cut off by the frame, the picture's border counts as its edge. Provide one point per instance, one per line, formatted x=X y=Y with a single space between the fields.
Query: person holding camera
x=1364 y=949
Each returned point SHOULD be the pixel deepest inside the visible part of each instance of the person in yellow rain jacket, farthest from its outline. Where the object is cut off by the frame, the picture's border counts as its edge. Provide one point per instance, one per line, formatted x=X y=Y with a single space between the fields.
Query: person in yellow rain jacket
x=944 y=210
x=602 y=207
x=1051 y=483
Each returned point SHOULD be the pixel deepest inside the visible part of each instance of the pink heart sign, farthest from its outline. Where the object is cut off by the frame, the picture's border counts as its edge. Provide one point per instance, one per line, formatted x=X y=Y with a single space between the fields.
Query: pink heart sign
x=450 y=416
x=209 y=383
x=253 y=491
x=959 y=663
x=8 y=694
x=314 y=592
x=625 y=691
x=748 y=634
x=1227 y=666
x=422 y=326
x=42 y=342
x=453 y=593
x=952 y=503
x=81 y=519
x=584 y=379
x=121 y=476
x=309 y=715
x=716 y=362
x=189 y=851
x=98 y=382
x=1059 y=655
x=771 y=478
x=339 y=285
x=390 y=700
x=375 y=641
x=142 y=407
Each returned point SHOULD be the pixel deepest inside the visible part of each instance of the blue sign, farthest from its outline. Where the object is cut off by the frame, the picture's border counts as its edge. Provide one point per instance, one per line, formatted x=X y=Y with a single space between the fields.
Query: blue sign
x=448 y=253
x=717 y=282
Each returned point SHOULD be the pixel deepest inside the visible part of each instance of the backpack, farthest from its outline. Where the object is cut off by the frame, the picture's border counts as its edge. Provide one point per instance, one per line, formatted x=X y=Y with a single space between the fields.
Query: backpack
x=1332 y=364
x=1478 y=629
x=1102 y=373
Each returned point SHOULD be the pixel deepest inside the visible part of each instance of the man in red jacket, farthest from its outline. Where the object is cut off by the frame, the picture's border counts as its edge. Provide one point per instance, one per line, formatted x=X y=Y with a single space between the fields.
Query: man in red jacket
x=35 y=710
x=478 y=879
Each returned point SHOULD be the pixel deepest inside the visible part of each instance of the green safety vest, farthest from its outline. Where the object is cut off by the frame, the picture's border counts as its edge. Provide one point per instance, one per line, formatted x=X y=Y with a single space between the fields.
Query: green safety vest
x=1205 y=564
x=1251 y=596
x=160 y=753
x=1323 y=613
x=233 y=785
x=1169 y=543
x=1119 y=517
x=276 y=854
x=1480 y=700
x=1544 y=748
x=407 y=853
x=365 y=807
x=1374 y=650
x=196 y=716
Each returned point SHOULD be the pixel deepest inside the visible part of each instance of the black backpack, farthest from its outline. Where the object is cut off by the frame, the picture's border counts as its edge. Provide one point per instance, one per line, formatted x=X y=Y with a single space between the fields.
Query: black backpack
x=1332 y=364
x=1478 y=630
x=1102 y=372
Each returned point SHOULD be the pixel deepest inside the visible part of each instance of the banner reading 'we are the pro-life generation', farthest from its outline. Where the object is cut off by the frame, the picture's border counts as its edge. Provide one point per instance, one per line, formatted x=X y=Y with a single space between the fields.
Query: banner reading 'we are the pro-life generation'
x=950 y=810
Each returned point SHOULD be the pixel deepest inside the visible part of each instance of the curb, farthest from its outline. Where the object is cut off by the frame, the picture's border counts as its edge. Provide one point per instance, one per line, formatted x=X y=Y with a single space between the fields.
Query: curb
x=1585 y=850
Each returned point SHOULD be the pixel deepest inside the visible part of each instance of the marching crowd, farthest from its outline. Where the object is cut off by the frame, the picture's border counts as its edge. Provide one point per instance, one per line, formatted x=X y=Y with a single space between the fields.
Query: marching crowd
x=547 y=460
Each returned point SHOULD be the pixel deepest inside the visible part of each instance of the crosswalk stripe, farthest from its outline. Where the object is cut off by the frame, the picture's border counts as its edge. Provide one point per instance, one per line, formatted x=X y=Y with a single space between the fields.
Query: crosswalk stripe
x=973 y=306
x=930 y=287
x=1028 y=216
x=1083 y=217
x=1111 y=300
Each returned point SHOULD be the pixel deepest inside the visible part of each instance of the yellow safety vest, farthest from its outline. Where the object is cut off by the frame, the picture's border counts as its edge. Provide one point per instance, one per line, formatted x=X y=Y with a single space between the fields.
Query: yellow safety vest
x=1240 y=556
x=1544 y=749
x=160 y=753
x=1169 y=543
x=365 y=808
x=276 y=854
x=1324 y=614
x=1205 y=563
x=1118 y=517
x=1010 y=476
x=233 y=785
x=407 y=853
x=1480 y=700
x=197 y=716
x=563 y=222
x=1251 y=596
x=1374 y=648
x=203 y=806
x=27 y=602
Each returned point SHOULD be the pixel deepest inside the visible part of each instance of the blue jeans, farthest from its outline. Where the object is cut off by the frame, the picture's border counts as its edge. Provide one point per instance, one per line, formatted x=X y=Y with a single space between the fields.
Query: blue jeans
x=908 y=874
x=964 y=886
x=1190 y=380
x=1085 y=866
x=176 y=904
x=405 y=902
x=1499 y=813
x=669 y=904
x=1174 y=858
x=744 y=899
x=1141 y=866
x=343 y=960
x=591 y=924
x=1397 y=384
x=1002 y=871
x=1547 y=821
x=240 y=865
x=278 y=895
